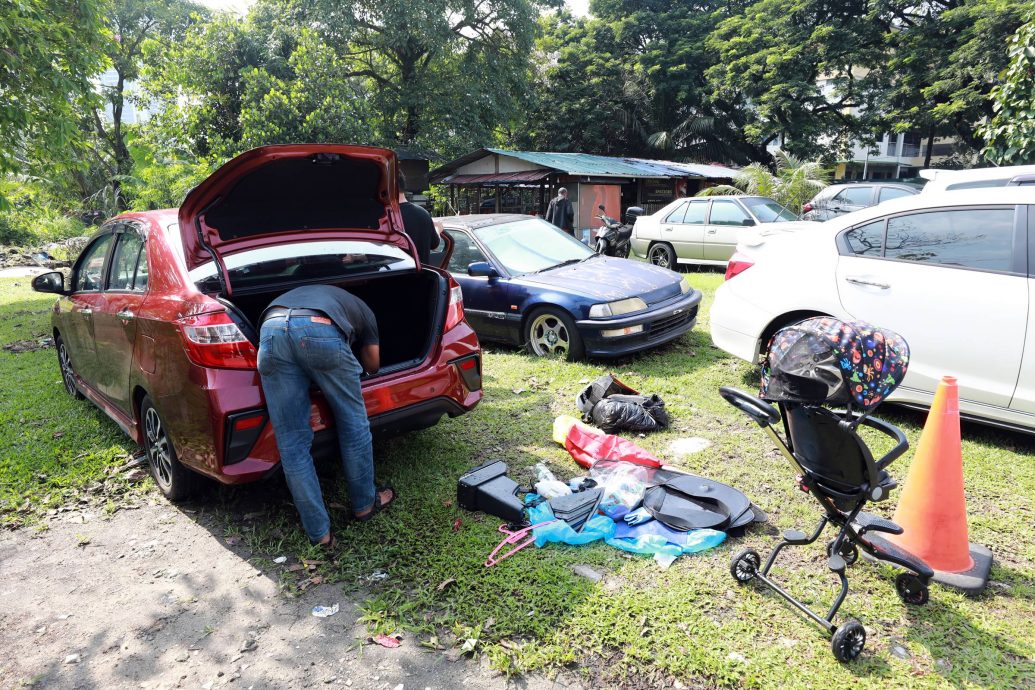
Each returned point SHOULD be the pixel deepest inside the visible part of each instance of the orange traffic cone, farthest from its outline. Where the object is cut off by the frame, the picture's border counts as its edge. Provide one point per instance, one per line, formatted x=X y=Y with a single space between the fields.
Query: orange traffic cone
x=932 y=510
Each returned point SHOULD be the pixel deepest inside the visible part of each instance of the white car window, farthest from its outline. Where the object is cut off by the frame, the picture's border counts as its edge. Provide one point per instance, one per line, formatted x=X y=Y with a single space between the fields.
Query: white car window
x=727 y=213
x=972 y=238
x=856 y=196
x=866 y=240
x=695 y=213
x=677 y=215
x=892 y=193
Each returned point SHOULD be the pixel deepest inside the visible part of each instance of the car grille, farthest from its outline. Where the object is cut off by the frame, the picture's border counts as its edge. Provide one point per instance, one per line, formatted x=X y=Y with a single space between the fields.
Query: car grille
x=671 y=322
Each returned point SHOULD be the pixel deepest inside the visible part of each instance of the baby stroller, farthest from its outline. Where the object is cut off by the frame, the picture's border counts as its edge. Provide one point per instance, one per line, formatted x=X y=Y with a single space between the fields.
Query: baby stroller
x=824 y=361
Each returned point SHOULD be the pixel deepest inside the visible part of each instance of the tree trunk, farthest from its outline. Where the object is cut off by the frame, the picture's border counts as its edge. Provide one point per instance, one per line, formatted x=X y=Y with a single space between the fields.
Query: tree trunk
x=930 y=148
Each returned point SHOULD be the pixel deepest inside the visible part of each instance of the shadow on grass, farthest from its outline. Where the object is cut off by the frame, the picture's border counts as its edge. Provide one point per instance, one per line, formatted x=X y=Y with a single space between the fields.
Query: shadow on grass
x=430 y=552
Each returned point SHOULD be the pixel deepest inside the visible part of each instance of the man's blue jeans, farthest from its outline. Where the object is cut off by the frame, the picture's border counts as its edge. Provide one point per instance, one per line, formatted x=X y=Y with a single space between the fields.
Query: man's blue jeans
x=294 y=354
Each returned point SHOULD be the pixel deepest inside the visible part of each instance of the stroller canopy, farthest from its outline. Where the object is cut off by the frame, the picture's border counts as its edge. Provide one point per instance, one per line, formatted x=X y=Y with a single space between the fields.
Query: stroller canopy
x=825 y=360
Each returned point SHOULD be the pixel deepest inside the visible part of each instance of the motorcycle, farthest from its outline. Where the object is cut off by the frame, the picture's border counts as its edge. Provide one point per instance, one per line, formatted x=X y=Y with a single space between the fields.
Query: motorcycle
x=613 y=238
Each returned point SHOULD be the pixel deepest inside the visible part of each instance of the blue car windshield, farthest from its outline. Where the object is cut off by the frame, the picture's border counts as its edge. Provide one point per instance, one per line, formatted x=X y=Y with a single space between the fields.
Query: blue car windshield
x=767 y=210
x=527 y=246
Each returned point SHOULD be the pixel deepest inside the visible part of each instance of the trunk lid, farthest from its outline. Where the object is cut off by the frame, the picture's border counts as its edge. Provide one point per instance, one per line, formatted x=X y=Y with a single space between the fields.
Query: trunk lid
x=284 y=193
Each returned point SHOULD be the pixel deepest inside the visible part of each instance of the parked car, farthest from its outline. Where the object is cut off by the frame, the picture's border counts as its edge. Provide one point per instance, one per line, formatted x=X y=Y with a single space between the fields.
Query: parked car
x=839 y=199
x=978 y=178
x=950 y=272
x=702 y=230
x=528 y=283
x=157 y=324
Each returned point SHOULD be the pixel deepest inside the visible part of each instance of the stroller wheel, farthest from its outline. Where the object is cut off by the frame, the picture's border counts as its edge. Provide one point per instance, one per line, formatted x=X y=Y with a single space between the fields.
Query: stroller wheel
x=745 y=565
x=911 y=589
x=848 y=641
x=849 y=552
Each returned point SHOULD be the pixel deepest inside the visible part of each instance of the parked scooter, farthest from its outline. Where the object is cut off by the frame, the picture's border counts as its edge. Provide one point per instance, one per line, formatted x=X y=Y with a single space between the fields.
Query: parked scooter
x=612 y=239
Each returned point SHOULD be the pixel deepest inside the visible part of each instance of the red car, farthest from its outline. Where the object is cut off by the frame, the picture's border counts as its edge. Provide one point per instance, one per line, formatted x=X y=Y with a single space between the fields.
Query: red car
x=158 y=326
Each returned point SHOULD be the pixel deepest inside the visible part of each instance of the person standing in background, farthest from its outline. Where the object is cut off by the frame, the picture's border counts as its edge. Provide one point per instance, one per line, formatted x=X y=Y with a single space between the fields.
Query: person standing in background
x=561 y=213
x=418 y=224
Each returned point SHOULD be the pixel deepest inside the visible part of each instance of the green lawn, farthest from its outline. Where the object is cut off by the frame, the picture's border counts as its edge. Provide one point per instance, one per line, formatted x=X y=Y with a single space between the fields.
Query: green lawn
x=641 y=626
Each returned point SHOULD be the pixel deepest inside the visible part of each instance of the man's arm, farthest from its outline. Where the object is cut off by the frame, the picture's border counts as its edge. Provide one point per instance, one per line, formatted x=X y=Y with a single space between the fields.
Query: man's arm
x=370 y=358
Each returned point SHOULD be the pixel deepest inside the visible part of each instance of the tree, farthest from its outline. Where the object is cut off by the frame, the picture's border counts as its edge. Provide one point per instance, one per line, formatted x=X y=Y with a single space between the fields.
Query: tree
x=792 y=71
x=942 y=60
x=442 y=74
x=795 y=182
x=133 y=23
x=587 y=95
x=1010 y=133
x=51 y=49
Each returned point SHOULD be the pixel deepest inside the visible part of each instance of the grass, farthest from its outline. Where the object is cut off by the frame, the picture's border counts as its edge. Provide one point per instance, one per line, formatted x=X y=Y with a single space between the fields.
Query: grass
x=53 y=449
x=639 y=627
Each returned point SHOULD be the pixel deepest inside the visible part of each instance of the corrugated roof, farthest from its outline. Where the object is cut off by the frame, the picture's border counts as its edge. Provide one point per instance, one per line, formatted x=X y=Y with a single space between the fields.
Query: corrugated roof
x=501 y=178
x=588 y=164
x=694 y=169
x=577 y=164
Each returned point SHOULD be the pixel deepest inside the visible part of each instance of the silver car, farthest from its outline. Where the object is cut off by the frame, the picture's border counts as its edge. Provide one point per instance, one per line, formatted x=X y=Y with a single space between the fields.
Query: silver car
x=702 y=230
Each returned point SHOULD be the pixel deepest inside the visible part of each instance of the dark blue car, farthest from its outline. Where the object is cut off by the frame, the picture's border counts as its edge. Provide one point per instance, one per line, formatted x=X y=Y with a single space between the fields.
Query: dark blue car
x=528 y=283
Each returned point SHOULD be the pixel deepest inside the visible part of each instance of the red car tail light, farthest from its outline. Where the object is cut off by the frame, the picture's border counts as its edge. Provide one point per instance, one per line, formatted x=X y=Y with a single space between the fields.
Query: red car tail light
x=738 y=264
x=455 y=309
x=806 y=208
x=214 y=340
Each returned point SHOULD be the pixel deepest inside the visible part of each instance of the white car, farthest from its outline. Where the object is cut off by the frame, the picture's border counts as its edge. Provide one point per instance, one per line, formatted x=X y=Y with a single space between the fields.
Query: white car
x=702 y=230
x=977 y=178
x=951 y=272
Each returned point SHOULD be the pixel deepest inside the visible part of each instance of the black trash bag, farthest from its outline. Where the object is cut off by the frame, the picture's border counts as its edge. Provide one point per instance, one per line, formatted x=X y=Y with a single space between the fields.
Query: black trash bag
x=613 y=406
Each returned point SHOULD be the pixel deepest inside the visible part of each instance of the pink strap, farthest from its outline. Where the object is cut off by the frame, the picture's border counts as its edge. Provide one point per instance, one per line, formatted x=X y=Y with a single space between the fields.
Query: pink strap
x=513 y=538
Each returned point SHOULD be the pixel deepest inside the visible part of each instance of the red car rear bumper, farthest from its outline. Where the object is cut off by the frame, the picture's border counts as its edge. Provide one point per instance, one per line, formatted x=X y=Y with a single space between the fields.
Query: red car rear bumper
x=449 y=383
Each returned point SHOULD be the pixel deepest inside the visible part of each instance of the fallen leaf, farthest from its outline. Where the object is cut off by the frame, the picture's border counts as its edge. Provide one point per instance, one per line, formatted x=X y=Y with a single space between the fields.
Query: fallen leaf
x=316 y=580
x=295 y=567
x=389 y=641
x=488 y=624
x=445 y=583
x=58 y=434
x=448 y=503
x=313 y=564
x=456 y=524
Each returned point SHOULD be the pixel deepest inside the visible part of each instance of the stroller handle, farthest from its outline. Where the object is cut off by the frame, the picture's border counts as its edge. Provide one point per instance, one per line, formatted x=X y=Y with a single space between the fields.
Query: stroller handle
x=760 y=411
x=901 y=442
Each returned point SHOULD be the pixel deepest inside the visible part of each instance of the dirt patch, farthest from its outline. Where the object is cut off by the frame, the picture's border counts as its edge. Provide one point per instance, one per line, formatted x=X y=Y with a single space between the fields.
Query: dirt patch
x=18 y=346
x=155 y=598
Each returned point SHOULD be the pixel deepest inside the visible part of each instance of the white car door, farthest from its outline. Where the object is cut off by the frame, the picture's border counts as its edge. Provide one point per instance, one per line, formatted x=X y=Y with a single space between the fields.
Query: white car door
x=725 y=223
x=953 y=283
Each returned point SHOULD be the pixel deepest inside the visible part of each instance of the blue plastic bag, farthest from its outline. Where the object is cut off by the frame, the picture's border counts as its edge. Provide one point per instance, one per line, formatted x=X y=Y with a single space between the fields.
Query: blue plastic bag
x=560 y=532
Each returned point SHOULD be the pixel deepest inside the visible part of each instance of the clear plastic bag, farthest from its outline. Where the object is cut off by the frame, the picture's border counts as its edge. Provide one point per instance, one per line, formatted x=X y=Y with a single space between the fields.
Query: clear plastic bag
x=623 y=483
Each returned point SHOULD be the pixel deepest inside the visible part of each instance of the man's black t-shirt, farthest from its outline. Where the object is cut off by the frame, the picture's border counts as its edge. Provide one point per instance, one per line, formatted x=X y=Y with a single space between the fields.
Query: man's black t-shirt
x=421 y=229
x=348 y=312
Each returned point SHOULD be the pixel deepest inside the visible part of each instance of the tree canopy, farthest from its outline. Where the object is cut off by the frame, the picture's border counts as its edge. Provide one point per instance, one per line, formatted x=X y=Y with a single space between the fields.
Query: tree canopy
x=732 y=81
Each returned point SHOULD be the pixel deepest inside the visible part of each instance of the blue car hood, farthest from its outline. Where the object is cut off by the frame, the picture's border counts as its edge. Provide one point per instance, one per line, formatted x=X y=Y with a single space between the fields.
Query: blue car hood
x=607 y=278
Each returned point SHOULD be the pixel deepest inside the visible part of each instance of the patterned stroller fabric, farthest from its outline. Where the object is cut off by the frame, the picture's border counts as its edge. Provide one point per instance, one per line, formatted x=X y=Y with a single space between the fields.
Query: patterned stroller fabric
x=825 y=360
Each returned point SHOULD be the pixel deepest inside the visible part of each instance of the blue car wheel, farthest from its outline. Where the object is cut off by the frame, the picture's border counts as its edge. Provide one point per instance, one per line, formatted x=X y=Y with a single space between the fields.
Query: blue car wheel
x=551 y=332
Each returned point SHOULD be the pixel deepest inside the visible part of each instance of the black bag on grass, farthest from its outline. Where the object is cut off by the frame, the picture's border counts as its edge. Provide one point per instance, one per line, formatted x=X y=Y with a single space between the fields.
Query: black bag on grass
x=613 y=406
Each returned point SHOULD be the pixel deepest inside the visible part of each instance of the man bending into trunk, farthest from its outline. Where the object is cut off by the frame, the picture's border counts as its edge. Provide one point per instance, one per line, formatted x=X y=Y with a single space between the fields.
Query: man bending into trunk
x=311 y=335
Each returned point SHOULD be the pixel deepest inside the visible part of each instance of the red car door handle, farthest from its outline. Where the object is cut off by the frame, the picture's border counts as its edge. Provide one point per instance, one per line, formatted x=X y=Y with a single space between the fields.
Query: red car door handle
x=125 y=314
x=86 y=311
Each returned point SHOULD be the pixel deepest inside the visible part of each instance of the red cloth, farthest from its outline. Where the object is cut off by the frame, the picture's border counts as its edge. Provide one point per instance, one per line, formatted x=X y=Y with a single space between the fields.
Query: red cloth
x=588 y=445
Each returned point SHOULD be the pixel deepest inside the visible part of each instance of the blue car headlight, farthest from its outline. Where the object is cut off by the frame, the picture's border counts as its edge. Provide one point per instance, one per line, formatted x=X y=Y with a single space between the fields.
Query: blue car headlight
x=617 y=308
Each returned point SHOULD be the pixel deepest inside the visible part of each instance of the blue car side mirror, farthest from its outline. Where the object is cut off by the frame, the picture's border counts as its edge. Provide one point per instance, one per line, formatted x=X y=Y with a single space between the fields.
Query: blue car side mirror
x=482 y=268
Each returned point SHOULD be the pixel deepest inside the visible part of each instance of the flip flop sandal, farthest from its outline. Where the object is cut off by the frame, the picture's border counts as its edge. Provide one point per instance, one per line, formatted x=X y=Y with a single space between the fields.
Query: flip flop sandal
x=378 y=505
